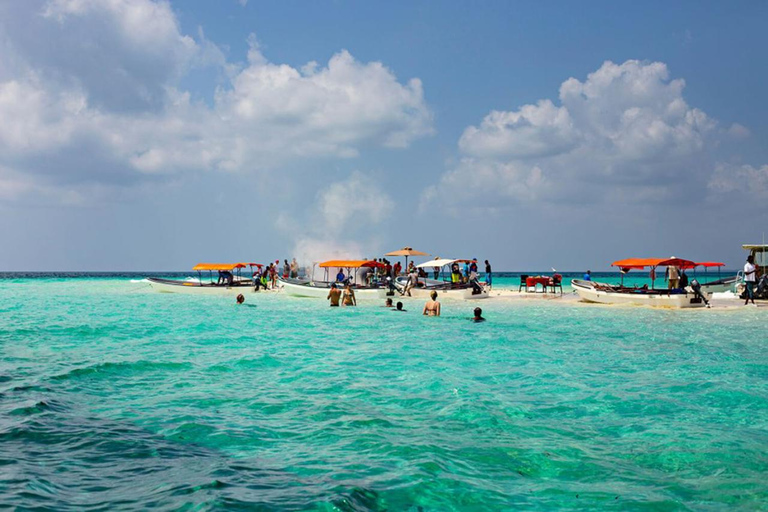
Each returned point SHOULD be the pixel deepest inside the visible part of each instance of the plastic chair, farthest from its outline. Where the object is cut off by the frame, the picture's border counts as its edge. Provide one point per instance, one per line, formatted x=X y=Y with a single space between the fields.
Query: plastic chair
x=523 y=282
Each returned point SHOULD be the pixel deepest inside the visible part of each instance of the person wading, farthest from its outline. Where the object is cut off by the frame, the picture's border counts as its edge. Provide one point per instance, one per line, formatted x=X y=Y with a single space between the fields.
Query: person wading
x=432 y=307
x=334 y=295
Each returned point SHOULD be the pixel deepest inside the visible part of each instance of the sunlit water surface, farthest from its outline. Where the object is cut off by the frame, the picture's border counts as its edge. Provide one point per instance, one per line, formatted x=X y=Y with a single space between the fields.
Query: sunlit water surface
x=113 y=396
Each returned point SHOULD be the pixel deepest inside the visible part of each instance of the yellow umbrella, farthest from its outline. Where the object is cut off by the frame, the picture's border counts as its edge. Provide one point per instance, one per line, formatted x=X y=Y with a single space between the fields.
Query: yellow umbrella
x=407 y=251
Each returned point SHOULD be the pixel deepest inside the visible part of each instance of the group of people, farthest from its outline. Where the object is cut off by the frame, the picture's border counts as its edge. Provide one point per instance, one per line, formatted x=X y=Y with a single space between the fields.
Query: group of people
x=266 y=276
x=431 y=308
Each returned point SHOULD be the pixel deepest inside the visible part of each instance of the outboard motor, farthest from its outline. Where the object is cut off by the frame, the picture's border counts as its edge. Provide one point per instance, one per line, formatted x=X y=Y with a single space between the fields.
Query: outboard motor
x=391 y=286
x=762 y=288
x=696 y=287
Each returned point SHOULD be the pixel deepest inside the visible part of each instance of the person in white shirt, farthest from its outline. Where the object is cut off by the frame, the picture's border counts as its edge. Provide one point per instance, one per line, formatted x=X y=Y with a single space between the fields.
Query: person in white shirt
x=750 y=276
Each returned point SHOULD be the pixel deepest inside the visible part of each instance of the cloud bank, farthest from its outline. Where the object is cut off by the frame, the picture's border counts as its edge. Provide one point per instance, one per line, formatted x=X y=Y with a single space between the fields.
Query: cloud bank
x=625 y=134
x=90 y=93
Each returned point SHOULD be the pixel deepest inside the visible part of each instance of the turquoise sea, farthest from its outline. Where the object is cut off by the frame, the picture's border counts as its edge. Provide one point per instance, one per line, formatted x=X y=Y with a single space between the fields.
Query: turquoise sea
x=115 y=397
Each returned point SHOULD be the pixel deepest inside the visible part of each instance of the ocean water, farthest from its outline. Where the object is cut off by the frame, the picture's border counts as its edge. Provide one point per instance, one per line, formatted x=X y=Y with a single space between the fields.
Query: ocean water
x=116 y=397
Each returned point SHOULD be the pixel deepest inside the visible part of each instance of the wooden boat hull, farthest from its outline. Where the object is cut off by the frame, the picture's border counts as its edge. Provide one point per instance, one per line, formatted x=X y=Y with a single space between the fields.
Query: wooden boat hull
x=588 y=292
x=198 y=288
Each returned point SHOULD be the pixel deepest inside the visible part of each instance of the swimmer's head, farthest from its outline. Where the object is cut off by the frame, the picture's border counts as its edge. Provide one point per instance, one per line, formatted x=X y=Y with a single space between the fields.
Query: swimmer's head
x=478 y=312
x=433 y=295
x=240 y=298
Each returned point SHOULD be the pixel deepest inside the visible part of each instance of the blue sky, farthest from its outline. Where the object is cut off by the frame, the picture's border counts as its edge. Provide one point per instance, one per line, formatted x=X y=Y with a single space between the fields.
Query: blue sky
x=143 y=135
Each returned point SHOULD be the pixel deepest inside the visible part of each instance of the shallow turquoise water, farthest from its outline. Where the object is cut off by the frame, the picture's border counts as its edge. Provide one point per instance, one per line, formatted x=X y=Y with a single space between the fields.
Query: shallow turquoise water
x=112 y=396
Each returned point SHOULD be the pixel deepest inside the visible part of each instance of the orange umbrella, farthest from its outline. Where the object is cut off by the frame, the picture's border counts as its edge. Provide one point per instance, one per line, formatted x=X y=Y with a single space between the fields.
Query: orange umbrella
x=407 y=251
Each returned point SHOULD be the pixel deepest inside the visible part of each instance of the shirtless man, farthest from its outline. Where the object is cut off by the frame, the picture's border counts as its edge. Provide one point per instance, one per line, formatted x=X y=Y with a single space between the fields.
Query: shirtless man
x=349 y=296
x=413 y=280
x=334 y=295
x=432 y=307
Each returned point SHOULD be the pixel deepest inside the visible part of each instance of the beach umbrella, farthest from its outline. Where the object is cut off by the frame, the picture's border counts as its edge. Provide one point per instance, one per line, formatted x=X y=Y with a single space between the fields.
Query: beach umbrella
x=407 y=251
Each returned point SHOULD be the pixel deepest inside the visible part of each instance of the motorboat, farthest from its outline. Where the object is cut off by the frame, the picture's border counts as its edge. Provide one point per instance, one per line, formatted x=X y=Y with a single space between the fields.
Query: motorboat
x=448 y=287
x=759 y=253
x=719 y=285
x=358 y=273
x=603 y=293
x=229 y=280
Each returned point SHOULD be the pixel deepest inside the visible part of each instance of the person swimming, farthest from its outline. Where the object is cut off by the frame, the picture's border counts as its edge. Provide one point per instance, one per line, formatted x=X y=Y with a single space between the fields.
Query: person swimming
x=399 y=307
x=240 y=298
x=432 y=307
x=387 y=303
x=478 y=315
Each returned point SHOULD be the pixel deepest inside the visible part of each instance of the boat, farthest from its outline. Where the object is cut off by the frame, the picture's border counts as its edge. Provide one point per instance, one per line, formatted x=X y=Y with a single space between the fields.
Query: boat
x=719 y=285
x=603 y=293
x=235 y=285
x=362 y=286
x=760 y=254
x=444 y=287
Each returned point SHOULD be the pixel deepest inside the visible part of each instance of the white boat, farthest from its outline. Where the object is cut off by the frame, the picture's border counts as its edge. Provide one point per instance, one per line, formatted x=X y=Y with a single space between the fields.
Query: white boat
x=721 y=285
x=601 y=293
x=445 y=289
x=319 y=288
x=227 y=283
x=200 y=288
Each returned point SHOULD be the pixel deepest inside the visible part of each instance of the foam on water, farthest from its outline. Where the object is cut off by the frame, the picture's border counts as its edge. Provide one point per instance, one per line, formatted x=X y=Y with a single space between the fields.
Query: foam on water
x=113 y=396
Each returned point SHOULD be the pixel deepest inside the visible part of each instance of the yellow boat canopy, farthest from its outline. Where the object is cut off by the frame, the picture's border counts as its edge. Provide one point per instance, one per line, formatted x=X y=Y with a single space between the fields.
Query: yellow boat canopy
x=218 y=266
x=350 y=264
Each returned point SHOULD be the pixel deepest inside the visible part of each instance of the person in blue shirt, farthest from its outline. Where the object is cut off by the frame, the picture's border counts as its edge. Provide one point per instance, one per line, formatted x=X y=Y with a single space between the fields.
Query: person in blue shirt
x=588 y=275
x=340 y=277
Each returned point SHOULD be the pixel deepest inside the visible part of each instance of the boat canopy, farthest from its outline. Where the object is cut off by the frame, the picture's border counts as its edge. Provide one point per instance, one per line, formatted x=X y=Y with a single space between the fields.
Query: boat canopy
x=435 y=263
x=218 y=266
x=638 y=263
x=755 y=247
x=709 y=264
x=351 y=264
x=250 y=265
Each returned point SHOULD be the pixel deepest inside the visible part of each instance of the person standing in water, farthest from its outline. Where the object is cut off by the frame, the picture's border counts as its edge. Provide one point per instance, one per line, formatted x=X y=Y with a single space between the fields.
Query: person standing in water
x=349 y=296
x=488 y=275
x=750 y=277
x=478 y=316
x=432 y=307
x=334 y=295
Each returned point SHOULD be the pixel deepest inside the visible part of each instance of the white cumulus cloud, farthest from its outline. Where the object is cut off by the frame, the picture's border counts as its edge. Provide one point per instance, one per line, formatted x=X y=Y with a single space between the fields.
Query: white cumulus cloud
x=747 y=180
x=626 y=127
x=344 y=212
x=90 y=91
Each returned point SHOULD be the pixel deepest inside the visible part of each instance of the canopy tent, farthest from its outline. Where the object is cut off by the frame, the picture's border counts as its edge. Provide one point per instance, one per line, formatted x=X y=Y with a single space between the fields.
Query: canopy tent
x=638 y=263
x=435 y=263
x=350 y=264
x=219 y=266
x=707 y=264
x=407 y=251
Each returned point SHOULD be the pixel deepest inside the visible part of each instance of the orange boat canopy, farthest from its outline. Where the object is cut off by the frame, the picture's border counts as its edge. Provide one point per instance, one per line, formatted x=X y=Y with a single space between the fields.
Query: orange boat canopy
x=218 y=266
x=710 y=264
x=637 y=263
x=350 y=263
